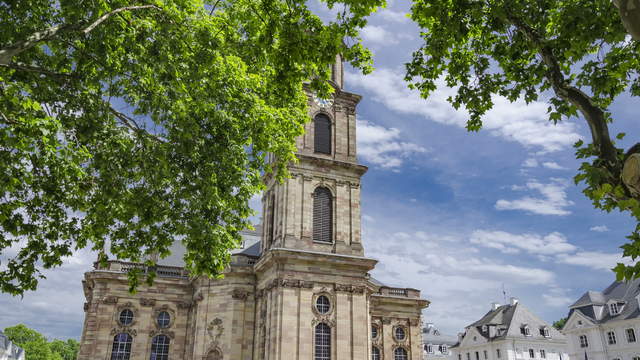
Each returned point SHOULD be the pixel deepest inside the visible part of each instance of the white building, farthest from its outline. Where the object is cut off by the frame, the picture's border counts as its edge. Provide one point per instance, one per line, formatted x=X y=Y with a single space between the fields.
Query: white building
x=605 y=325
x=8 y=350
x=436 y=346
x=510 y=332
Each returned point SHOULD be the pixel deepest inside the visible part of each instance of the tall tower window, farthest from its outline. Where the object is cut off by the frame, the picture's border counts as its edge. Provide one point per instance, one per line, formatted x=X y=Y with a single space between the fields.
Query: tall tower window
x=121 y=347
x=270 y=226
x=323 y=342
x=322 y=134
x=322 y=215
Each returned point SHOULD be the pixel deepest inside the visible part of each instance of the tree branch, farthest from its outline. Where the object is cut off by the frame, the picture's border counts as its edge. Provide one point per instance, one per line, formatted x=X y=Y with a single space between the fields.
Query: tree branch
x=132 y=125
x=594 y=116
x=8 y=52
x=113 y=12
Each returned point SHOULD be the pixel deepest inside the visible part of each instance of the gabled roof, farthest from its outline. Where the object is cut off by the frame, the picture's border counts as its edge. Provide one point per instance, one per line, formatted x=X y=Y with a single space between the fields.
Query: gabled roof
x=431 y=335
x=507 y=321
x=622 y=292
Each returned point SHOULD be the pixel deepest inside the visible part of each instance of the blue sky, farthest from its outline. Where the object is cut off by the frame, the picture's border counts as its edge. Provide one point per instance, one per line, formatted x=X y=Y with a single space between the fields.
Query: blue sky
x=456 y=215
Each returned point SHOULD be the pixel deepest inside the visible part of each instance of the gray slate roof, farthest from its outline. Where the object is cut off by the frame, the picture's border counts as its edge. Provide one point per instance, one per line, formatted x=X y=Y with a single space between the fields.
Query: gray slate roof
x=623 y=292
x=10 y=350
x=431 y=335
x=507 y=321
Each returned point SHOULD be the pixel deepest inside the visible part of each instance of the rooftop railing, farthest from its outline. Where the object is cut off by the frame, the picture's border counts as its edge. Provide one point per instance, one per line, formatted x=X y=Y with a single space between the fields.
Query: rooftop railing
x=162 y=271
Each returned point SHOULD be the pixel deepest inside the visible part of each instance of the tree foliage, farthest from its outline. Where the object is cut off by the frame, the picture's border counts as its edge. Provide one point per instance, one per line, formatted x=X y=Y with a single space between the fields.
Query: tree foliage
x=127 y=125
x=36 y=346
x=559 y=324
x=575 y=55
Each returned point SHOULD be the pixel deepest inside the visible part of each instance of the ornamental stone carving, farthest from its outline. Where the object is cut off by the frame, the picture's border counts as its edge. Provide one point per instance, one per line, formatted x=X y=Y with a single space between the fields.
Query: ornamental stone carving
x=147 y=302
x=184 y=305
x=123 y=329
x=112 y=300
x=215 y=330
x=239 y=294
x=165 y=332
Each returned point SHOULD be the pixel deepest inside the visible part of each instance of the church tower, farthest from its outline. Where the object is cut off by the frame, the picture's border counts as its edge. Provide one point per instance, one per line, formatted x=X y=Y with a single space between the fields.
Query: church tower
x=318 y=207
x=302 y=293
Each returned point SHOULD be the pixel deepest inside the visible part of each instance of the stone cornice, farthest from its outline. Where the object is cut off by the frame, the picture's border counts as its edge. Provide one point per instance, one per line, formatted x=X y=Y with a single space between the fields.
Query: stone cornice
x=289 y=255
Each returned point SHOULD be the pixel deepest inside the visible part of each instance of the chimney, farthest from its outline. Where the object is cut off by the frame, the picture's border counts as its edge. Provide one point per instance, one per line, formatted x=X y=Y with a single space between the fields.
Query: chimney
x=514 y=300
x=495 y=306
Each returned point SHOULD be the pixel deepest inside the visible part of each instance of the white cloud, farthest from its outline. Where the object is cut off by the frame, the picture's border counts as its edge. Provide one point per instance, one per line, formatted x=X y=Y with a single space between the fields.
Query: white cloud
x=553 y=201
x=393 y=16
x=378 y=35
x=519 y=122
x=594 y=259
x=530 y=163
x=508 y=243
x=557 y=297
x=553 y=165
x=382 y=146
x=599 y=228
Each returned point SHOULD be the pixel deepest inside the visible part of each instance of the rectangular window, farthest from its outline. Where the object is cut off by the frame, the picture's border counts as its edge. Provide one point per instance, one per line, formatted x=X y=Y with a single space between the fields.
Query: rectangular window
x=477 y=355
x=486 y=356
x=583 y=341
x=468 y=356
x=611 y=337
x=543 y=354
x=498 y=353
x=613 y=309
x=631 y=335
x=531 y=354
x=459 y=356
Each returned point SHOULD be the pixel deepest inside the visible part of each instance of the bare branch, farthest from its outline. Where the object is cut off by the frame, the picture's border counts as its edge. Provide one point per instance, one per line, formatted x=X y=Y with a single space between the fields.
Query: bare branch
x=8 y=52
x=113 y=12
x=4 y=117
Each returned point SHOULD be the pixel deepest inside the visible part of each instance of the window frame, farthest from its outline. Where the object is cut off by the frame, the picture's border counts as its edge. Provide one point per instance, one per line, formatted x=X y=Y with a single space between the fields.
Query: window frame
x=320 y=308
x=498 y=354
x=318 y=236
x=611 y=337
x=584 y=341
x=318 y=146
x=169 y=320
x=543 y=354
x=375 y=328
x=160 y=351
x=395 y=333
x=319 y=337
x=400 y=353
x=131 y=318
x=375 y=356
x=613 y=306
x=121 y=354
x=632 y=333
x=532 y=354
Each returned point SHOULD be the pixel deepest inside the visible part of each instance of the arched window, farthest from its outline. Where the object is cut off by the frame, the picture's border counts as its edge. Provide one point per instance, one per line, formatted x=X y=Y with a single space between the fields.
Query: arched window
x=375 y=353
x=322 y=215
x=400 y=354
x=323 y=342
x=322 y=134
x=160 y=347
x=214 y=354
x=121 y=347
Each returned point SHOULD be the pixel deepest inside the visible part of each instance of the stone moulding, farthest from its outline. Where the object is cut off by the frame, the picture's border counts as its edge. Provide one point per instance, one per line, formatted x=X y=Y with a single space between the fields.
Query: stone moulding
x=123 y=329
x=147 y=302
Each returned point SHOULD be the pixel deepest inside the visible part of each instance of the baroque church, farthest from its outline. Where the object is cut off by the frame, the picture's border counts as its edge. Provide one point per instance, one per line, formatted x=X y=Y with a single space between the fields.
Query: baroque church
x=302 y=291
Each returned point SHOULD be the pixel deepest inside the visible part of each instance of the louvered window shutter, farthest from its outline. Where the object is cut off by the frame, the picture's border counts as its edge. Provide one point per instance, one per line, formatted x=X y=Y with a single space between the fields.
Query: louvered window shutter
x=271 y=229
x=322 y=128
x=322 y=215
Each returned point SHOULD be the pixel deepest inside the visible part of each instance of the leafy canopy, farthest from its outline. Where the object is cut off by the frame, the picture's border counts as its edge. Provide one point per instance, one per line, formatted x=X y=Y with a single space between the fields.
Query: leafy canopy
x=125 y=126
x=37 y=347
x=574 y=54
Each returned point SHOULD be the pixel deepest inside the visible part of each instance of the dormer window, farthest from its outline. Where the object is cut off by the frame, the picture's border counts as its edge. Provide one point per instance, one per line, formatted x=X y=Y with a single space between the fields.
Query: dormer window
x=544 y=331
x=443 y=349
x=429 y=349
x=614 y=309
x=525 y=330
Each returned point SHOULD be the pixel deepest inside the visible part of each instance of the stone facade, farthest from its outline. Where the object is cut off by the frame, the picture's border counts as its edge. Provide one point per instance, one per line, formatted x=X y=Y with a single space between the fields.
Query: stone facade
x=266 y=305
